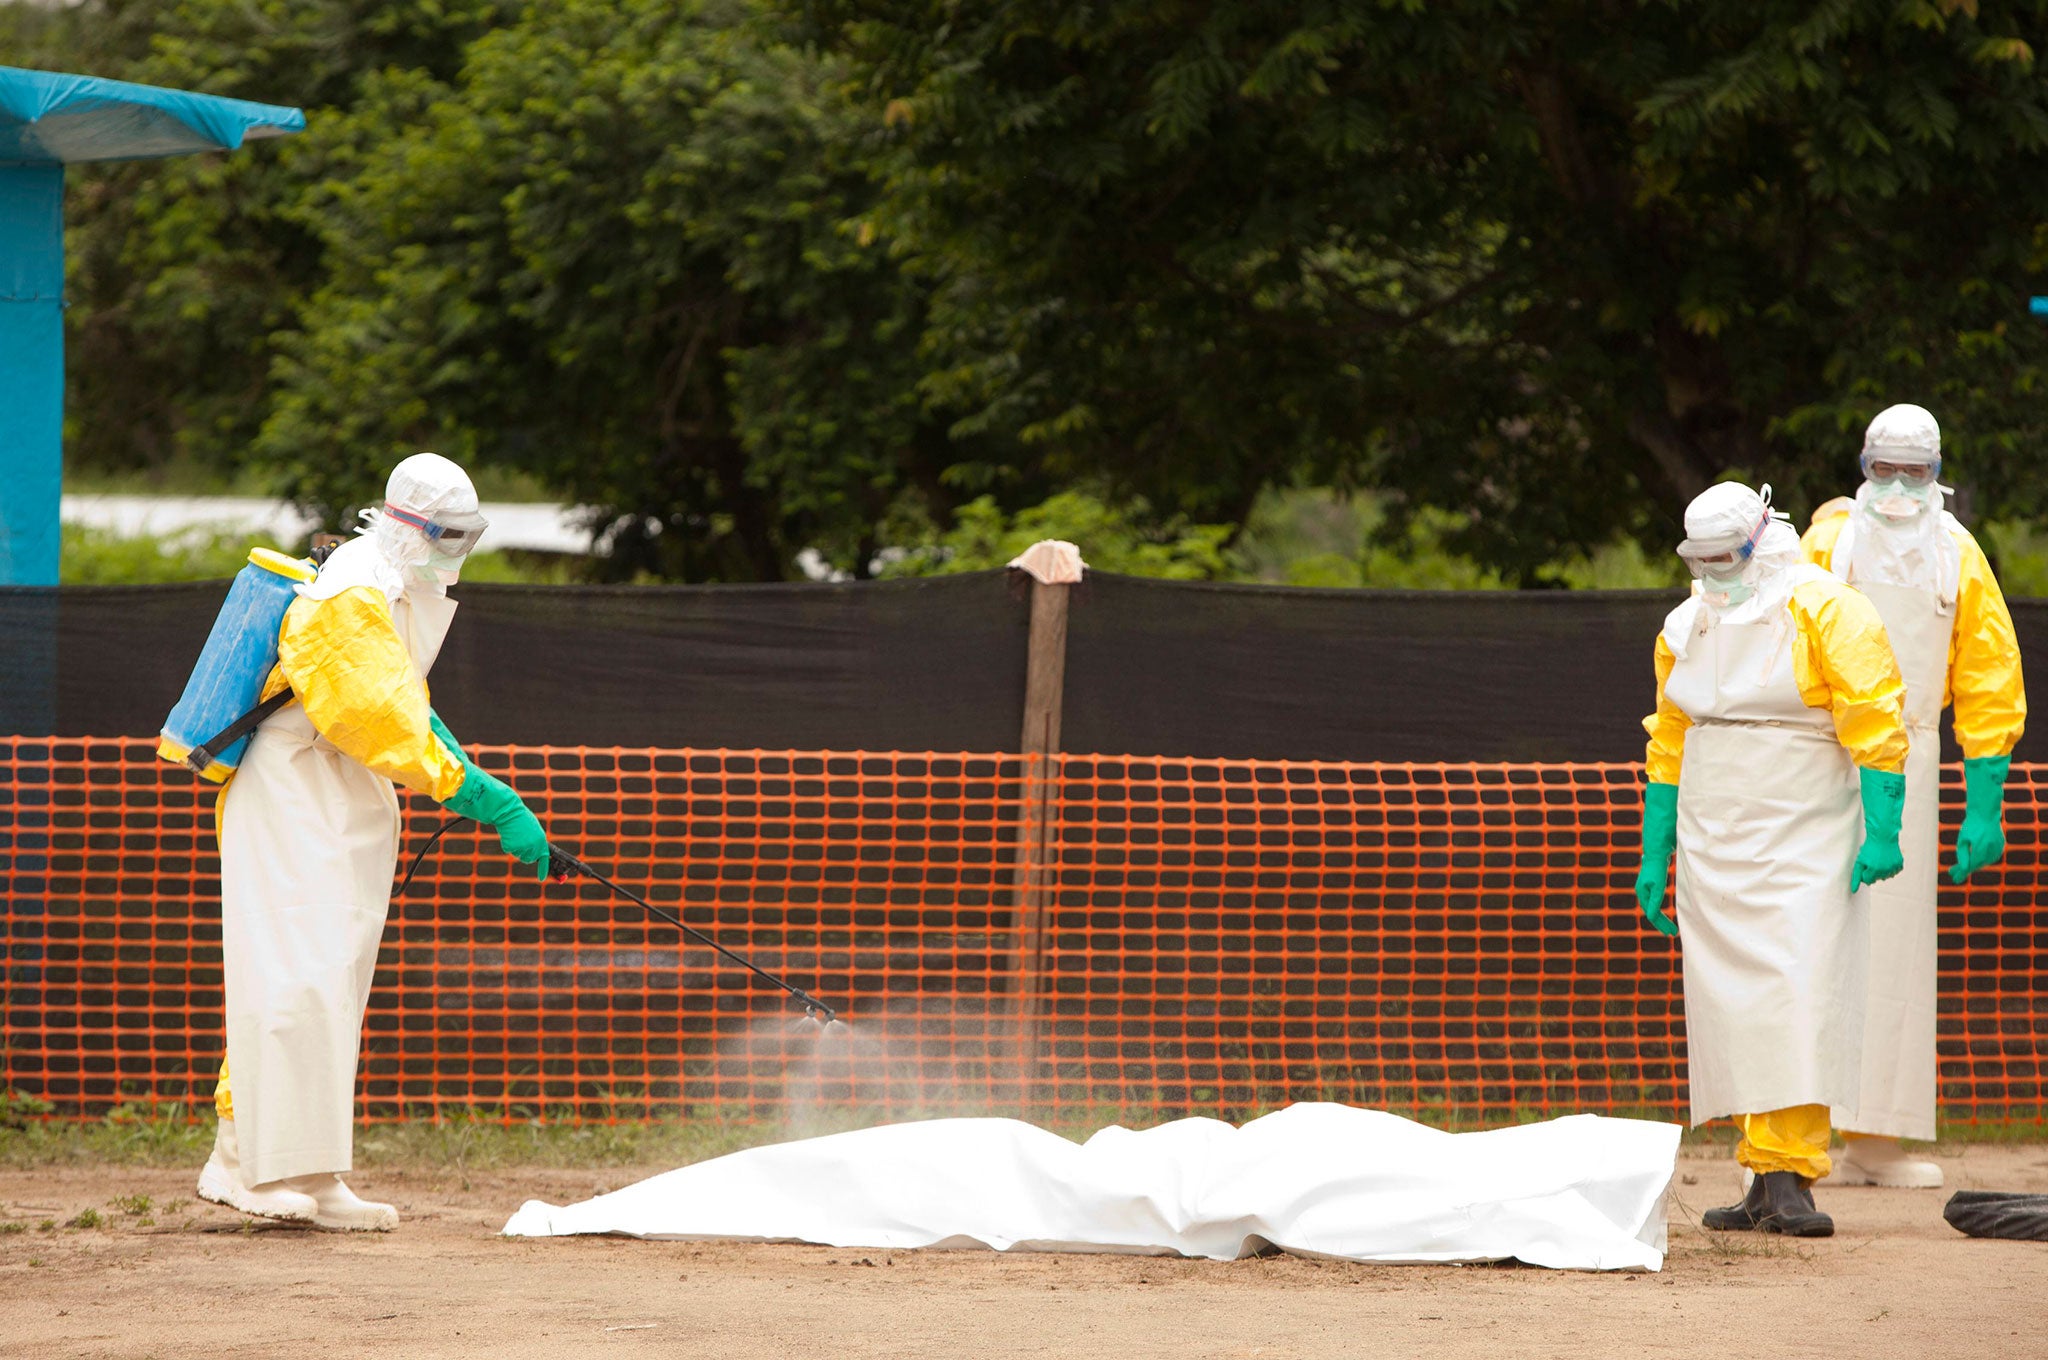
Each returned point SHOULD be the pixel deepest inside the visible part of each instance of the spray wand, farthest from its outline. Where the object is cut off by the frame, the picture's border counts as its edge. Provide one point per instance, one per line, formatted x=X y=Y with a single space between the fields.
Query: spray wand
x=558 y=857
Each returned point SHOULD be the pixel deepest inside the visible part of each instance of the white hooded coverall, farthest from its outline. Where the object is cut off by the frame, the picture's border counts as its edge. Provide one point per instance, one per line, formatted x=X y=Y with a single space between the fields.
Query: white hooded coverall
x=309 y=832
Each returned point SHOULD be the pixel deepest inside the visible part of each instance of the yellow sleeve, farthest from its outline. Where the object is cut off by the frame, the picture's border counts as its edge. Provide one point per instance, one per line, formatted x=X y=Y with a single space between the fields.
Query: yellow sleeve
x=1842 y=661
x=1984 y=681
x=349 y=668
x=1817 y=544
x=1667 y=726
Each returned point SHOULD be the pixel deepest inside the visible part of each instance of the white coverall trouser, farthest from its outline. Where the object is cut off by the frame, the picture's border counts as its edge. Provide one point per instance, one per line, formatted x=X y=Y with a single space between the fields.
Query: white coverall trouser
x=309 y=843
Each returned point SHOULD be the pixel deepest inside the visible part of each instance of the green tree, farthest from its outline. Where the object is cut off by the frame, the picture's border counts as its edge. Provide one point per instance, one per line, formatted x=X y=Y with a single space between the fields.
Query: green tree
x=40 y=37
x=1550 y=268
x=619 y=250
x=182 y=273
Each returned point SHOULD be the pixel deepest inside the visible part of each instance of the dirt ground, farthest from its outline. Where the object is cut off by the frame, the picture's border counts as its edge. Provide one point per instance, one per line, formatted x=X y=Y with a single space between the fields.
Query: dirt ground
x=182 y=1278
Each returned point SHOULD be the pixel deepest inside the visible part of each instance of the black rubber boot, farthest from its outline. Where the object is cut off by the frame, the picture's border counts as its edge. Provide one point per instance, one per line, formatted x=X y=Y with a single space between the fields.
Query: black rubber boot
x=1778 y=1202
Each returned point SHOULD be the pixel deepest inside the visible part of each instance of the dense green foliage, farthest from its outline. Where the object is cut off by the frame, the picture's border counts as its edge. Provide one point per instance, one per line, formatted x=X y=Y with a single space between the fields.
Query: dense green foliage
x=1118 y=538
x=753 y=277
x=1550 y=268
x=612 y=253
x=184 y=274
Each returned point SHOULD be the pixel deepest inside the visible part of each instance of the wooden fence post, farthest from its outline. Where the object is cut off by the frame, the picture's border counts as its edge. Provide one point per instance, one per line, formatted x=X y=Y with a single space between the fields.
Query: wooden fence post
x=1054 y=567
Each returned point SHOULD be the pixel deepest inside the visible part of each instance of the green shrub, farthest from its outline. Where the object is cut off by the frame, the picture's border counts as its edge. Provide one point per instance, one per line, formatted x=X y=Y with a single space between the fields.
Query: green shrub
x=1124 y=538
x=100 y=557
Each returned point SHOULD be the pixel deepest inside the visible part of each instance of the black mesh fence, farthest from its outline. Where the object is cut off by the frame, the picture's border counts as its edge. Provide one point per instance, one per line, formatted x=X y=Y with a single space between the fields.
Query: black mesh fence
x=1153 y=667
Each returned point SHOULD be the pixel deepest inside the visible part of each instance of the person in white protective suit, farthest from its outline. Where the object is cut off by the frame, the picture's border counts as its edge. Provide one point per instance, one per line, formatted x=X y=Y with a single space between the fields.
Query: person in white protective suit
x=1775 y=771
x=1953 y=636
x=309 y=831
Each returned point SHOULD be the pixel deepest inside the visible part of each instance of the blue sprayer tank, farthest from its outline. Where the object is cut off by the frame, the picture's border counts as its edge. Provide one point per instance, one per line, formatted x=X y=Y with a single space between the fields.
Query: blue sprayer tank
x=237 y=659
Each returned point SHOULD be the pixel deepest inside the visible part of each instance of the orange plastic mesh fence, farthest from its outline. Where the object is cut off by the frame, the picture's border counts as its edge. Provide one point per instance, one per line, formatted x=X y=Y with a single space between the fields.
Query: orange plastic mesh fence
x=1091 y=934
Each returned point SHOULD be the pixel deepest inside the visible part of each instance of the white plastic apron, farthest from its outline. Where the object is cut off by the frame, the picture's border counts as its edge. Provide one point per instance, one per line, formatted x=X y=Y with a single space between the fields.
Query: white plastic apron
x=1769 y=823
x=309 y=841
x=1898 y=1094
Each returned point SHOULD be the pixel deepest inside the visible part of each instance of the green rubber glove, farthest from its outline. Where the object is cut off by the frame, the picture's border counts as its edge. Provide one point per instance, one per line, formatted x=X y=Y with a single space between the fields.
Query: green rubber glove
x=1982 y=840
x=488 y=799
x=1660 y=838
x=1884 y=807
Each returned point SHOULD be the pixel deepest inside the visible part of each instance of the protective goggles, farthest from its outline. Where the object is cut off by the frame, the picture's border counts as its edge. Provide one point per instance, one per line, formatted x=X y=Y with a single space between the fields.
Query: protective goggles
x=1726 y=561
x=452 y=534
x=1910 y=468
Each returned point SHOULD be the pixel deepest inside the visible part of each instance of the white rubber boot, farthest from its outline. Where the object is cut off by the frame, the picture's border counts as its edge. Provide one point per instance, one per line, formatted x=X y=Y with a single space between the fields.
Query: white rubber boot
x=221 y=1181
x=339 y=1209
x=1881 y=1161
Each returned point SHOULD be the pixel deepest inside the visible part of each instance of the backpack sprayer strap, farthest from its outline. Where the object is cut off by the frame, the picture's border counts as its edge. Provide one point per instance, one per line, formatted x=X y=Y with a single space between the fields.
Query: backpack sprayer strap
x=204 y=754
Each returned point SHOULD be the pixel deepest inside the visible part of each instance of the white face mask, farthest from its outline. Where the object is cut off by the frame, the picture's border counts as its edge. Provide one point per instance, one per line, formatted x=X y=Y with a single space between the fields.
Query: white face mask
x=1724 y=591
x=1898 y=502
x=436 y=573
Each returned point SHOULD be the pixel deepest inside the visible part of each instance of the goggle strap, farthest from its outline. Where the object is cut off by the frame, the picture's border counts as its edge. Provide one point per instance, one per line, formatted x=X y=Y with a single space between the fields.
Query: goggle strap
x=1756 y=534
x=428 y=527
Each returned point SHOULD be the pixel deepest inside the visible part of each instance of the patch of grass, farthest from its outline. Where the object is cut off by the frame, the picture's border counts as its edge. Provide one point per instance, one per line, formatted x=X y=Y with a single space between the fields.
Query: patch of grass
x=479 y=1140
x=169 y=1135
x=9 y=1229
x=19 y=1108
x=131 y=1205
x=2021 y=1126
x=99 y=557
x=87 y=1218
x=476 y=1141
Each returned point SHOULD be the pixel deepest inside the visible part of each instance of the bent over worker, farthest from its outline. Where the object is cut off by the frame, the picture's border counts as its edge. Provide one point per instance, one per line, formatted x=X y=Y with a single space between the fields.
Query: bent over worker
x=1775 y=764
x=309 y=831
x=1954 y=640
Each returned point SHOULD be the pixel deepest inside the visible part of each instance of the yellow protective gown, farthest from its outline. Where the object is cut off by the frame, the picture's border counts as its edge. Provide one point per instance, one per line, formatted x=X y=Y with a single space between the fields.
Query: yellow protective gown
x=1765 y=710
x=309 y=841
x=1842 y=665
x=1954 y=639
x=1982 y=679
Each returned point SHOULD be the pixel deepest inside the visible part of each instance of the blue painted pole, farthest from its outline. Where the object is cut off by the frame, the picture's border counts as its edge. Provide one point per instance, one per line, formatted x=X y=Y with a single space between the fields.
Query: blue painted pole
x=31 y=371
x=31 y=439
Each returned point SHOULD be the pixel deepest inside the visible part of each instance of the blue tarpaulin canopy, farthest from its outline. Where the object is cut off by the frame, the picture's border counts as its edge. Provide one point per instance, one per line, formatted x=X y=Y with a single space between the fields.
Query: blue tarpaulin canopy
x=49 y=118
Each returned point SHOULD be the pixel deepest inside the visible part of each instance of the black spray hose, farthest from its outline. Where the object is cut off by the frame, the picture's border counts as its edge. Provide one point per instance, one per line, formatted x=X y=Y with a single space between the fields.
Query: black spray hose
x=560 y=858
x=812 y=1006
